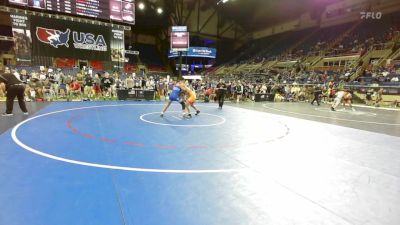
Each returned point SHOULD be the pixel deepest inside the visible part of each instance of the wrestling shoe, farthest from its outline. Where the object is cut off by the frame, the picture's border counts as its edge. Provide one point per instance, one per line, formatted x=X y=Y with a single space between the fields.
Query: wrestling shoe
x=7 y=114
x=187 y=116
x=162 y=114
x=197 y=112
x=26 y=113
x=333 y=109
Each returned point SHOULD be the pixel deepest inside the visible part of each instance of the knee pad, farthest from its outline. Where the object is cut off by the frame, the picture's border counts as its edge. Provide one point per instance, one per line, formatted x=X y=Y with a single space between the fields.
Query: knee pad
x=183 y=105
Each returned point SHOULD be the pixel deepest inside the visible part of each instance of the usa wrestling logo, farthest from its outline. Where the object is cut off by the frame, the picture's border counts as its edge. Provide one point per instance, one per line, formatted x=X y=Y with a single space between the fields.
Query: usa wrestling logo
x=53 y=37
x=80 y=40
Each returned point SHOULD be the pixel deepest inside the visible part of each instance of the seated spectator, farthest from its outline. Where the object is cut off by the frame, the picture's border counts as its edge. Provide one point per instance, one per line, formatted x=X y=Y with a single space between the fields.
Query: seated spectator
x=23 y=76
x=34 y=89
x=75 y=89
x=279 y=97
x=396 y=104
x=42 y=75
x=48 y=90
x=378 y=97
x=68 y=82
x=129 y=82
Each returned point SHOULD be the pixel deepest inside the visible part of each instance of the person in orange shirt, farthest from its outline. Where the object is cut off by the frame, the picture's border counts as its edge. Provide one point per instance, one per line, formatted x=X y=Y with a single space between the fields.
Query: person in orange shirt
x=191 y=99
x=75 y=89
x=348 y=99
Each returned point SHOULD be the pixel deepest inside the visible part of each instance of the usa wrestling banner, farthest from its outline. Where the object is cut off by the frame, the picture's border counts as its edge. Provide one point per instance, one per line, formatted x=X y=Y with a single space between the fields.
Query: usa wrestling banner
x=117 y=45
x=22 y=38
x=69 y=39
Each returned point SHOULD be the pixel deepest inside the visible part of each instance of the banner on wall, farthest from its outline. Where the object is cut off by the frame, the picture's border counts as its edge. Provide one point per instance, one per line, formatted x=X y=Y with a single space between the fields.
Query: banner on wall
x=117 y=45
x=22 y=38
x=60 y=38
x=97 y=65
x=65 y=62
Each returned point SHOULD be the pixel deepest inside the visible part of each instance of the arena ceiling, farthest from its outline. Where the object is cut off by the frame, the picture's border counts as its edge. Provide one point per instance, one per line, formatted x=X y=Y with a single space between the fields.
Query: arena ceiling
x=257 y=14
x=250 y=14
x=233 y=19
x=247 y=15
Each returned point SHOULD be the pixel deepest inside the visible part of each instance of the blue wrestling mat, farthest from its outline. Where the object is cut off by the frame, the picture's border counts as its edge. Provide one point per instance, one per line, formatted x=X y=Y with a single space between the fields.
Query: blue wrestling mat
x=102 y=163
x=120 y=163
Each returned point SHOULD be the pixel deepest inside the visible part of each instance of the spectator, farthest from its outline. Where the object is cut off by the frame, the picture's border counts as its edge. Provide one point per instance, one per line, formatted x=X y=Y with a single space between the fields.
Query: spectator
x=379 y=97
x=89 y=91
x=75 y=89
x=34 y=89
x=106 y=83
x=97 y=85
x=129 y=82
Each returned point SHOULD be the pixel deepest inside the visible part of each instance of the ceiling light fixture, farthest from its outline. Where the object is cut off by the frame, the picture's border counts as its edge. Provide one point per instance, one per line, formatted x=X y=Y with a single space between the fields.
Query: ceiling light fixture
x=141 y=6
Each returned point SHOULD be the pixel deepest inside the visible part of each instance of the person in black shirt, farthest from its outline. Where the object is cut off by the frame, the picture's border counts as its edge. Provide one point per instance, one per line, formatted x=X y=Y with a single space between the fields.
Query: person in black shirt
x=143 y=83
x=221 y=91
x=368 y=96
x=14 y=88
x=106 y=83
x=239 y=91
x=317 y=94
x=24 y=77
x=88 y=89
x=51 y=77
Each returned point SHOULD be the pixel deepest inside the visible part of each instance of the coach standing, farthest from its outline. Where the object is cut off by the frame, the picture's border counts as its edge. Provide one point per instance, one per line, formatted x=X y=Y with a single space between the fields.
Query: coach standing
x=317 y=95
x=14 y=88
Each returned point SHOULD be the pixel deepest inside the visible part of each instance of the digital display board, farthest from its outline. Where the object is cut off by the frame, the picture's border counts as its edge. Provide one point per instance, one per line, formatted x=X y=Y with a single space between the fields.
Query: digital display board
x=200 y=52
x=116 y=10
x=179 y=39
x=179 y=29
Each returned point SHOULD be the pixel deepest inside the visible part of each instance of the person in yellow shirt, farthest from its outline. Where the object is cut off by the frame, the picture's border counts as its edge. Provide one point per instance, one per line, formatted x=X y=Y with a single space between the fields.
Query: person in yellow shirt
x=191 y=99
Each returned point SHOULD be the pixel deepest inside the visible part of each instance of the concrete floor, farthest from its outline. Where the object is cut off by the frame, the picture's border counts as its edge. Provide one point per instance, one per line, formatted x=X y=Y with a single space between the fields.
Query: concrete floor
x=370 y=119
x=8 y=122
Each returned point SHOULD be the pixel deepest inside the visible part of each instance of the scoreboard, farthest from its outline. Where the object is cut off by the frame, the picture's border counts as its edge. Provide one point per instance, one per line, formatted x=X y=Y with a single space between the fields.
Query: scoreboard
x=179 y=38
x=116 y=10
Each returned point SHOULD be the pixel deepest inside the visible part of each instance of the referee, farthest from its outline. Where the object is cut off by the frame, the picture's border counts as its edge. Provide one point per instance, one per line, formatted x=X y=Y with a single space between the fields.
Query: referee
x=221 y=91
x=317 y=94
x=14 y=88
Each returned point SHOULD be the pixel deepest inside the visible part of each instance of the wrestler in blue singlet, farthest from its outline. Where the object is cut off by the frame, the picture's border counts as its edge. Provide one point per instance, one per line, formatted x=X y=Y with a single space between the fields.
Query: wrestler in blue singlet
x=175 y=94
